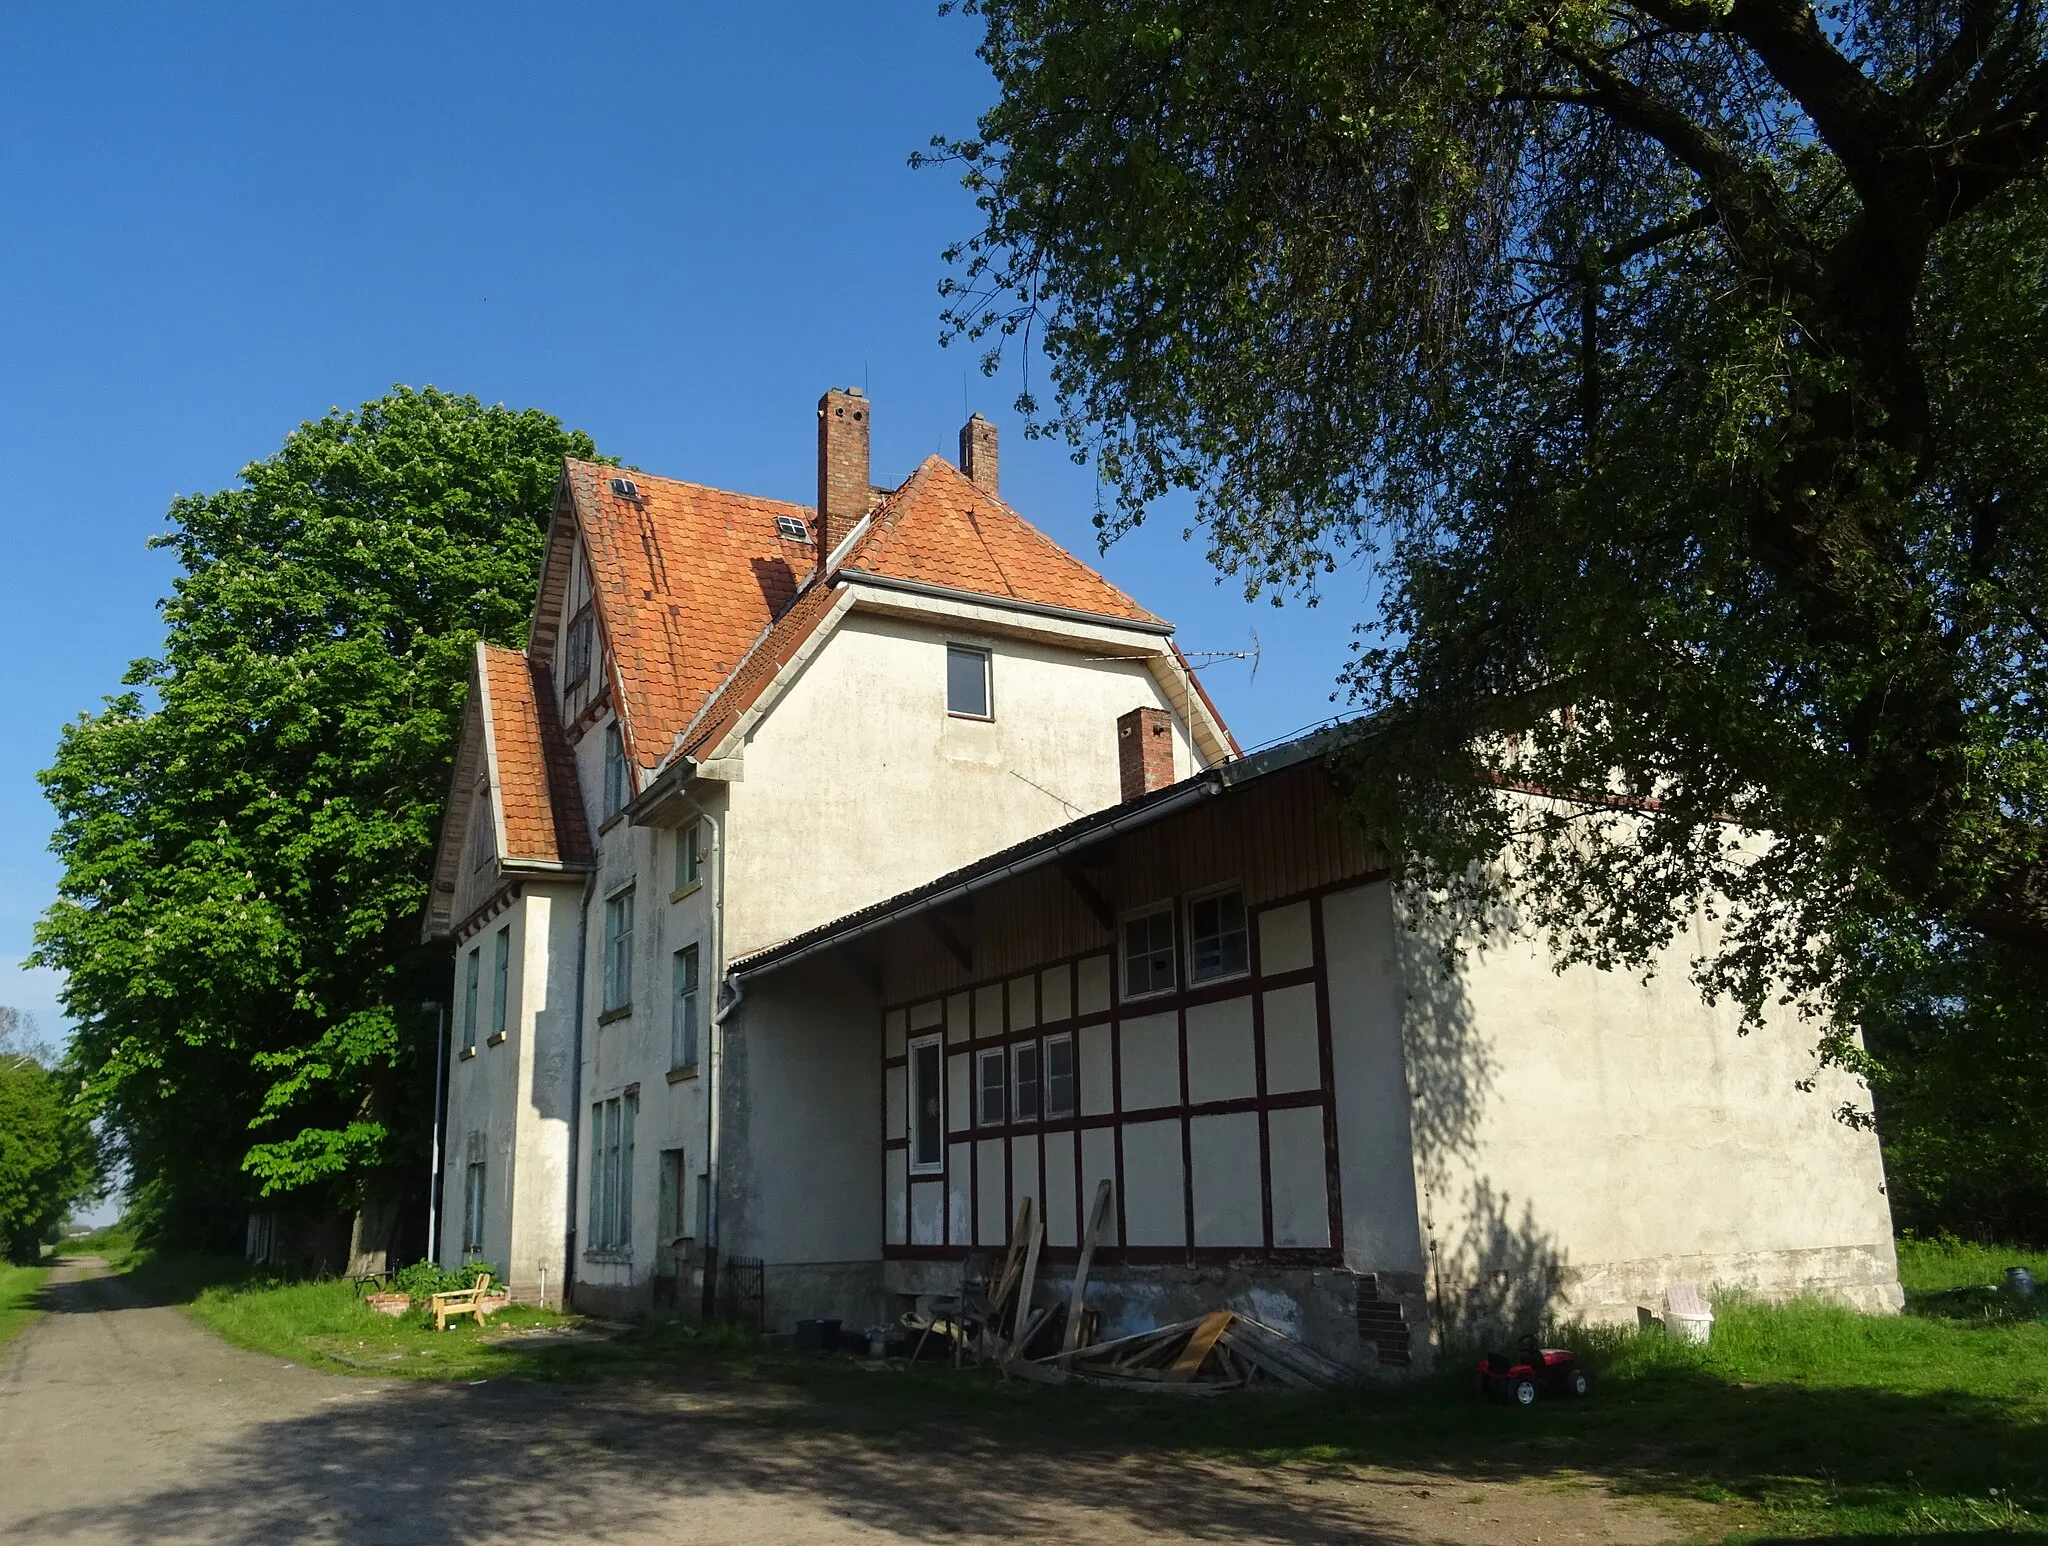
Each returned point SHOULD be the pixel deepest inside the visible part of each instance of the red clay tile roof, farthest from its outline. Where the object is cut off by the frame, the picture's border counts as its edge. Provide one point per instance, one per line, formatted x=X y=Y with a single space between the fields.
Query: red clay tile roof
x=536 y=775
x=942 y=528
x=690 y=580
x=687 y=579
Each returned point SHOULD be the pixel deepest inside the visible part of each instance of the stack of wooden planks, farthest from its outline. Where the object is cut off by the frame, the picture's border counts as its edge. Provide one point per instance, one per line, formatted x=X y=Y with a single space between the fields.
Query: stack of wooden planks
x=1213 y=1353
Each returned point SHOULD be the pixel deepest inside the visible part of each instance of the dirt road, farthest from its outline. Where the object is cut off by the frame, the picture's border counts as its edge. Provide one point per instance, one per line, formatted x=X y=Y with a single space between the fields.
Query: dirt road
x=123 y=1423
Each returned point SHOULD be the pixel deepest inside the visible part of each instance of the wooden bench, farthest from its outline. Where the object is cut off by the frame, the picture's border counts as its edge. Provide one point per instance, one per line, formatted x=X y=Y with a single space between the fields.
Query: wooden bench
x=461 y=1301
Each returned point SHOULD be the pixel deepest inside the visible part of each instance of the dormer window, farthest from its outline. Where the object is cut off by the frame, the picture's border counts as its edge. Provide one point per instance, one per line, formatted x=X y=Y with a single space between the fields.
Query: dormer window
x=578 y=649
x=792 y=527
x=618 y=781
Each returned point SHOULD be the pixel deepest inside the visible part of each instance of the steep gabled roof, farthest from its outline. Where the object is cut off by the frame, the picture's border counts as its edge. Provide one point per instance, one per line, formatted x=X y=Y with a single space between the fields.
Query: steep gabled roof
x=533 y=774
x=703 y=603
x=687 y=578
x=942 y=528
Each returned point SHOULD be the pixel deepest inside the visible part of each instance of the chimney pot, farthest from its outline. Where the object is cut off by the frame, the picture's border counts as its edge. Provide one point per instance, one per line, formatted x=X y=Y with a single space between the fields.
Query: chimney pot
x=978 y=453
x=1144 y=751
x=842 y=467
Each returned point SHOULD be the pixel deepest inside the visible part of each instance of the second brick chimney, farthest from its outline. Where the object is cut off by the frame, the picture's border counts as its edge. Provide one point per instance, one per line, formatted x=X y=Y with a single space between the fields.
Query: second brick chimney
x=842 y=467
x=1144 y=751
x=978 y=453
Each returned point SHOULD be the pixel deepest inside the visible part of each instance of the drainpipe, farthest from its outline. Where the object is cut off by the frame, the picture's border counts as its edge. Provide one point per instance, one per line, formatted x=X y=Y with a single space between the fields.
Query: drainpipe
x=576 y=1088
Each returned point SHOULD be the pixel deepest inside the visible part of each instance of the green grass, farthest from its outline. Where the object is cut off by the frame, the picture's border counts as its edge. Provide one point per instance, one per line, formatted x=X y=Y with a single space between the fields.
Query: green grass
x=18 y=1287
x=1797 y=1421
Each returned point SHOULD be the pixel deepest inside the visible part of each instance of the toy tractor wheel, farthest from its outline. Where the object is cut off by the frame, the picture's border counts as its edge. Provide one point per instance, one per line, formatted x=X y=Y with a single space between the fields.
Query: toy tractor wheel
x=1580 y=1384
x=1525 y=1392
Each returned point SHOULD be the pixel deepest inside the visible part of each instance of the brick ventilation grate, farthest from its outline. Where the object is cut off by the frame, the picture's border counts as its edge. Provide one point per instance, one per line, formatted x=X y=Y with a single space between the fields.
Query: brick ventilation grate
x=1380 y=1322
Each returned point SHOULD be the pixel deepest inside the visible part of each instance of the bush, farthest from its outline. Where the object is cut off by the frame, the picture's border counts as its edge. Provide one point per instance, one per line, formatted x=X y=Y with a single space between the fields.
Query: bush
x=424 y=1279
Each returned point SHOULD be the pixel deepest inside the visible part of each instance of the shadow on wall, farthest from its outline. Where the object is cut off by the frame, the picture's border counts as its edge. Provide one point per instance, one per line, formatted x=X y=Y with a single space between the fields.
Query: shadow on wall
x=1491 y=1273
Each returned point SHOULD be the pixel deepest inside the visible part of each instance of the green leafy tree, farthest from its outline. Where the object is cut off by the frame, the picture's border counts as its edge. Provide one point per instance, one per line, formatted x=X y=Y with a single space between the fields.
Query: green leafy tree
x=247 y=831
x=49 y=1155
x=1680 y=367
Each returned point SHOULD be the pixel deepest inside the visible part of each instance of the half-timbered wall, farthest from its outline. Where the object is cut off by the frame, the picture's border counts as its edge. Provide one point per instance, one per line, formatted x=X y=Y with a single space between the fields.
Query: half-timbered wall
x=1210 y=1104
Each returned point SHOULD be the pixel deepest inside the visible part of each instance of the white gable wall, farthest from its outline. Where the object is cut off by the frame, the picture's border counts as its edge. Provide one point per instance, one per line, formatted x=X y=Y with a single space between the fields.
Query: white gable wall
x=858 y=784
x=508 y=1103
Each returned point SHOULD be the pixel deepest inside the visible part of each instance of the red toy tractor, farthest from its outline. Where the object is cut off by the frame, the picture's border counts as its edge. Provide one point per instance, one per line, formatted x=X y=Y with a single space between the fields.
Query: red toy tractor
x=1533 y=1371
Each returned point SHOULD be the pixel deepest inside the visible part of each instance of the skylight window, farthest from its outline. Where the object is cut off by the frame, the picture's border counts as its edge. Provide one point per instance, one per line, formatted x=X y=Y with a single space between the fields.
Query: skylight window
x=792 y=527
x=625 y=488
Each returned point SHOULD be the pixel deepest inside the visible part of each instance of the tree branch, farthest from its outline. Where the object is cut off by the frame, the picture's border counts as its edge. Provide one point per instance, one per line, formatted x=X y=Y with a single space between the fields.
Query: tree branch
x=1858 y=119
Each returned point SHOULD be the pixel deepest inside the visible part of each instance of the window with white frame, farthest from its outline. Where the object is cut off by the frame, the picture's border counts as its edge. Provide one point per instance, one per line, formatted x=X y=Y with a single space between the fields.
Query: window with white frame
x=683 y=1010
x=579 y=648
x=1148 y=953
x=473 y=1210
x=618 y=951
x=611 y=1174
x=992 y=1082
x=689 y=855
x=1024 y=1093
x=1059 y=1078
x=472 y=973
x=1218 y=945
x=618 y=785
x=927 y=1104
x=501 y=979
x=967 y=682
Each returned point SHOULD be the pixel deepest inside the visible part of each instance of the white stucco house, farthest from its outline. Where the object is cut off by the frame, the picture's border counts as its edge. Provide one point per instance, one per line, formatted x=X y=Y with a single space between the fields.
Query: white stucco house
x=737 y=719
x=824 y=881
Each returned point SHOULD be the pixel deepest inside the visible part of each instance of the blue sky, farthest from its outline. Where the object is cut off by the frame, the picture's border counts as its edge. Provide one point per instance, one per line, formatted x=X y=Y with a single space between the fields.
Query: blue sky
x=670 y=225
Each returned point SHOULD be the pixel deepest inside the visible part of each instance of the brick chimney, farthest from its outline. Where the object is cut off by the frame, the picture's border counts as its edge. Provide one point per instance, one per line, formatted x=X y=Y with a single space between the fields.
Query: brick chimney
x=978 y=452
x=1144 y=751
x=842 y=467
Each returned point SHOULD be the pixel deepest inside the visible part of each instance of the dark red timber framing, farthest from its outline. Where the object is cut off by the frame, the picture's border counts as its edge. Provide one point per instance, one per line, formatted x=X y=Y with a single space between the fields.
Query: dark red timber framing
x=988 y=1006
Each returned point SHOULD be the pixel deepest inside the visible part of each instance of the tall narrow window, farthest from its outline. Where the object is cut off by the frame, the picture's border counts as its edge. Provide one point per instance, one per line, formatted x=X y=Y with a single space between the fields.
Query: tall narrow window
x=1148 y=953
x=471 y=972
x=611 y=1173
x=618 y=951
x=618 y=787
x=967 y=689
x=1024 y=1101
x=1217 y=944
x=473 y=1211
x=576 y=655
x=927 y=1103
x=1059 y=1077
x=501 y=980
x=683 y=1022
x=689 y=855
x=992 y=1081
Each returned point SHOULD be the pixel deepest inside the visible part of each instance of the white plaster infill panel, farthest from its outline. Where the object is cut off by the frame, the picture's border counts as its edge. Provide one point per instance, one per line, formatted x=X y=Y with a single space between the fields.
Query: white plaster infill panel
x=1221 y=1064
x=1150 y=1055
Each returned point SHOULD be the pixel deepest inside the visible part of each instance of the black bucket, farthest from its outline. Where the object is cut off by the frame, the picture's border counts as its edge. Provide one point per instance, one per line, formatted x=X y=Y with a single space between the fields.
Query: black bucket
x=817 y=1336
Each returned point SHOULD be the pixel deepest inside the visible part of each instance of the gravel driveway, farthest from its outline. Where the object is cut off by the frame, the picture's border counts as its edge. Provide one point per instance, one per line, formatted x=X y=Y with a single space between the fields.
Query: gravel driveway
x=125 y=1423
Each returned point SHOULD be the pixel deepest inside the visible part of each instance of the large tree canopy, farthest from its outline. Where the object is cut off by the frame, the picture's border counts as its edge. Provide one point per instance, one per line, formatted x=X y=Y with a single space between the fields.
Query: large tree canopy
x=247 y=831
x=1683 y=366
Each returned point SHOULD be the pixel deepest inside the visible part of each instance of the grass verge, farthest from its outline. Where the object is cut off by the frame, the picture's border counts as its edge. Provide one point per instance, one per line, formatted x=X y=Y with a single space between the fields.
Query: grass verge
x=18 y=1287
x=1797 y=1421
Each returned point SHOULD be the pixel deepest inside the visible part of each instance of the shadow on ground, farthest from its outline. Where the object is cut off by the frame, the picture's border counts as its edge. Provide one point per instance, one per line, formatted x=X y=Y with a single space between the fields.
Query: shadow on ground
x=931 y=1455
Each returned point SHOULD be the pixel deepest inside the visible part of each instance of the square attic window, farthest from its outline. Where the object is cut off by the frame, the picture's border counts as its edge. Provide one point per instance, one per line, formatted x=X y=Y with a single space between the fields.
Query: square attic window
x=792 y=527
